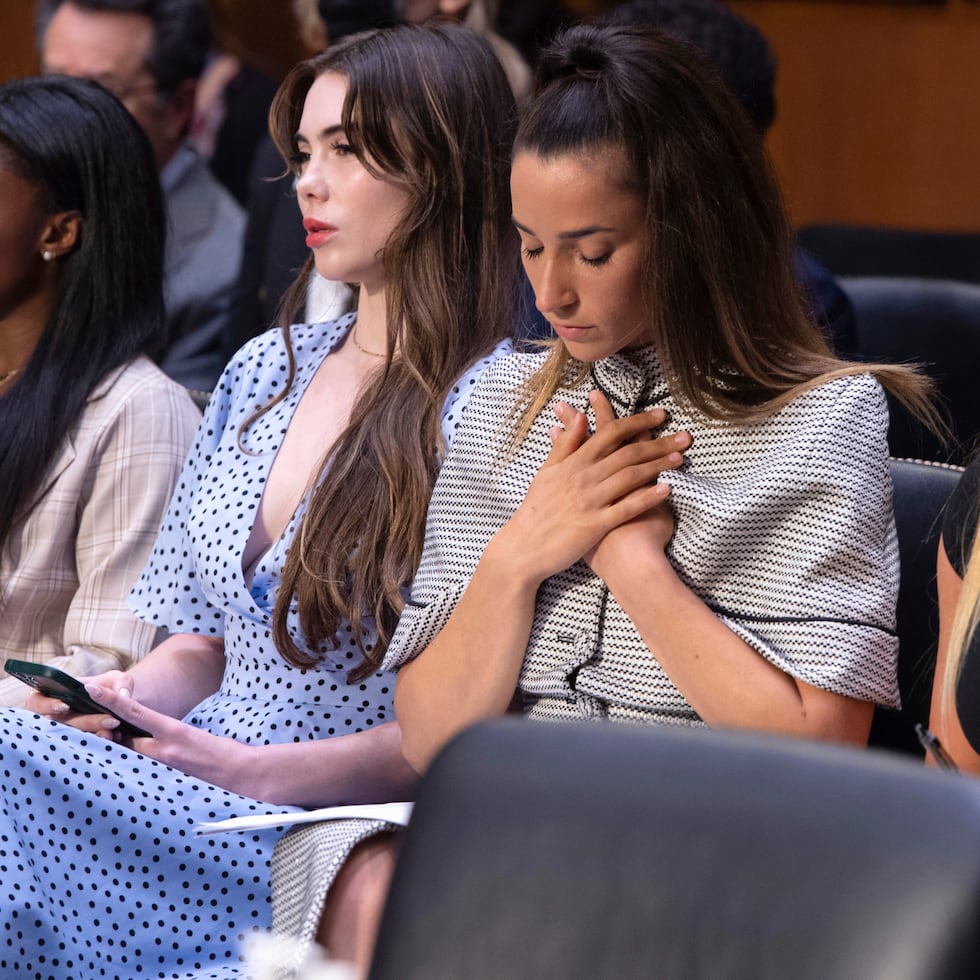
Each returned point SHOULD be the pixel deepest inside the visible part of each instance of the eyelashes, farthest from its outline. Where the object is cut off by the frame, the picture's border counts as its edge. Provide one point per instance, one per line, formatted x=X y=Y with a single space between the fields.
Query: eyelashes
x=599 y=260
x=298 y=159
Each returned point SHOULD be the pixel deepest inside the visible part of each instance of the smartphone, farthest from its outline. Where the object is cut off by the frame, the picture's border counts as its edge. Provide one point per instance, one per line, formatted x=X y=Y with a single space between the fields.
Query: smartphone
x=934 y=747
x=55 y=683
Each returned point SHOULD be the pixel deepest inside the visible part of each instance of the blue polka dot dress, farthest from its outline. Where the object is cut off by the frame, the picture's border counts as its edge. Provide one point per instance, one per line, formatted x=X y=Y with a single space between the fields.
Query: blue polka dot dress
x=100 y=872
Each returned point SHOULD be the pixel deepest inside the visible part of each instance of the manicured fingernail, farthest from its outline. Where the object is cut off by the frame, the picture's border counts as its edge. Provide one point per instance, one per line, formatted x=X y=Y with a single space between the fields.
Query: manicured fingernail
x=94 y=691
x=554 y=432
x=110 y=723
x=681 y=438
x=59 y=708
x=124 y=692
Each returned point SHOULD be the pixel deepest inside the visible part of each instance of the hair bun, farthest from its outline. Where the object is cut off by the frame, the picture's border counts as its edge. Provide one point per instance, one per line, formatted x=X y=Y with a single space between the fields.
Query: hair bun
x=578 y=55
x=585 y=60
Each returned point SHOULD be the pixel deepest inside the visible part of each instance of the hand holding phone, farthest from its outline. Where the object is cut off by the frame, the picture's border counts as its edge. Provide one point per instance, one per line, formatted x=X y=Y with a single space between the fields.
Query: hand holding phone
x=54 y=683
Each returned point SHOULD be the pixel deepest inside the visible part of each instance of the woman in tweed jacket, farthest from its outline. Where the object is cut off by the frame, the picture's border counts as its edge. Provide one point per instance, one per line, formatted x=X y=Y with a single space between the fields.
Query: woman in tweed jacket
x=682 y=512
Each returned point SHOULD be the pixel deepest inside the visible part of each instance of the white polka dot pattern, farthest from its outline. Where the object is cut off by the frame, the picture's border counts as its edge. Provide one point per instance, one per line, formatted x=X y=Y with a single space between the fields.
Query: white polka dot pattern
x=784 y=528
x=102 y=875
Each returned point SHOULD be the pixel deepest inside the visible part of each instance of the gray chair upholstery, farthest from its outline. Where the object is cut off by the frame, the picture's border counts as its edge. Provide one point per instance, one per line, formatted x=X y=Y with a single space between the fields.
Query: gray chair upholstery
x=921 y=491
x=933 y=322
x=596 y=851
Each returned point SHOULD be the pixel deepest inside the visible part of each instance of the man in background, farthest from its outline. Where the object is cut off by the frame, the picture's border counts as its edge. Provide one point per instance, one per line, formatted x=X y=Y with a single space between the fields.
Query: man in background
x=150 y=54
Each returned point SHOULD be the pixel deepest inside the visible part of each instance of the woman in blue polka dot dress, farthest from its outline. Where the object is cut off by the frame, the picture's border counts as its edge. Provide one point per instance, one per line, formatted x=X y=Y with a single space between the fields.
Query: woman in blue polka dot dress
x=282 y=564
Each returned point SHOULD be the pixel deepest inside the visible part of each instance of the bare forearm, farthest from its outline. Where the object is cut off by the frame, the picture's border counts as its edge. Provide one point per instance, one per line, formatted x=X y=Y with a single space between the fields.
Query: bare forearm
x=179 y=673
x=722 y=677
x=363 y=767
x=470 y=670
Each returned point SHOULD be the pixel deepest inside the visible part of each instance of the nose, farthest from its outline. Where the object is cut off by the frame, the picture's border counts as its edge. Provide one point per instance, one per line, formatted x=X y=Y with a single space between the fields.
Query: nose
x=311 y=184
x=553 y=287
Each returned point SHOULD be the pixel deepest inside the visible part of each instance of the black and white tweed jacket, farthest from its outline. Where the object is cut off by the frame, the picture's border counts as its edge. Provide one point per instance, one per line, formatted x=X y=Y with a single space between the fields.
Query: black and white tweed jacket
x=784 y=528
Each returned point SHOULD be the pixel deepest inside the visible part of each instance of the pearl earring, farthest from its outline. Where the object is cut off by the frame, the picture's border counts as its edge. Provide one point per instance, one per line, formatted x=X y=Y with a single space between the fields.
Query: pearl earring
x=47 y=256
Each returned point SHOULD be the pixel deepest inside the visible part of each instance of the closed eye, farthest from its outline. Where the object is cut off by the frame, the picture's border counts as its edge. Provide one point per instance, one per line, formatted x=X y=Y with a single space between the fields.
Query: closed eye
x=532 y=253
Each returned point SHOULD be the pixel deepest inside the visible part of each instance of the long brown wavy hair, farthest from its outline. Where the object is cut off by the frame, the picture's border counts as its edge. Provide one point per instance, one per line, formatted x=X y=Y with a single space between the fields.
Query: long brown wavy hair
x=726 y=313
x=428 y=107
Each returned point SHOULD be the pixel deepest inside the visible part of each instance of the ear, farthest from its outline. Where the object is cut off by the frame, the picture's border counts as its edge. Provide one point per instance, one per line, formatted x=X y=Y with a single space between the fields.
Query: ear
x=62 y=233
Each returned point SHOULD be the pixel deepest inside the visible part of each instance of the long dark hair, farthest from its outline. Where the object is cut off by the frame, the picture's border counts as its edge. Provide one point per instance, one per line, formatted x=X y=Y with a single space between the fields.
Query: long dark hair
x=429 y=107
x=727 y=316
x=78 y=145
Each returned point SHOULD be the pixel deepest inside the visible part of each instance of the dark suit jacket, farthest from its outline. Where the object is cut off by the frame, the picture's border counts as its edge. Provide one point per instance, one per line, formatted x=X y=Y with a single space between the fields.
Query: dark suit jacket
x=206 y=229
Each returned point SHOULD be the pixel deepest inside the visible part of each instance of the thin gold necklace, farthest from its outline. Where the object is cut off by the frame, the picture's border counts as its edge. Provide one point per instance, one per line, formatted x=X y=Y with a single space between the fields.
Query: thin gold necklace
x=9 y=374
x=370 y=353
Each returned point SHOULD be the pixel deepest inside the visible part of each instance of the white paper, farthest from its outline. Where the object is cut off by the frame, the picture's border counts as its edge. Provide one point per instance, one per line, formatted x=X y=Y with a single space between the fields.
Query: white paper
x=392 y=812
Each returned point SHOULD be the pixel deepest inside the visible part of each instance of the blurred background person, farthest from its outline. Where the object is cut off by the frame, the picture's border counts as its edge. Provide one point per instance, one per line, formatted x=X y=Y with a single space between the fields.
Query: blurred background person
x=326 y=21
x=92 y=434
x=531 y=24
x=231 y=110
x=150 y=53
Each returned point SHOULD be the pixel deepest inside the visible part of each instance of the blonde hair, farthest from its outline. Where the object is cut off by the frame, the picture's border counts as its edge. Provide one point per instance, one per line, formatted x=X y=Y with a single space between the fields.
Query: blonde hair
x=966 y=619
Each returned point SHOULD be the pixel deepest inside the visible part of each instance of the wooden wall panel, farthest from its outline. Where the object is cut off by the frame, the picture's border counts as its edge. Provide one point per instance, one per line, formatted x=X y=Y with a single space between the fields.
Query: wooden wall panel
x=879 y=112
x=879 y=104
x=18 y=54
x=263 y=32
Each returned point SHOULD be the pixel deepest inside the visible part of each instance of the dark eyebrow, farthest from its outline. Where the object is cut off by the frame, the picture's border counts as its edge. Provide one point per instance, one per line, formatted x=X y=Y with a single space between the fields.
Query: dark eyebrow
x=575 y=233
x=325 y=134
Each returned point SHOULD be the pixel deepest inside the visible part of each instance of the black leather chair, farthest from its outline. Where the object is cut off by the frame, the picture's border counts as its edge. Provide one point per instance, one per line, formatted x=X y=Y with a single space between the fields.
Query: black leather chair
x=921 y=491
x=933 y=322
x=859 y=250
x=566 y=851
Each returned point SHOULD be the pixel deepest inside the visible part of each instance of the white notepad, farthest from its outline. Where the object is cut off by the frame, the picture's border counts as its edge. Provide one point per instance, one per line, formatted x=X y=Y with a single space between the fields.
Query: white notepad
x=398 y=813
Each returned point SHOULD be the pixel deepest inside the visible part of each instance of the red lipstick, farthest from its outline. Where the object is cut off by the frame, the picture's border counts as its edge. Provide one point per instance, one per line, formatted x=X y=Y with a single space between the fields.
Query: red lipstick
x=317 y=232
